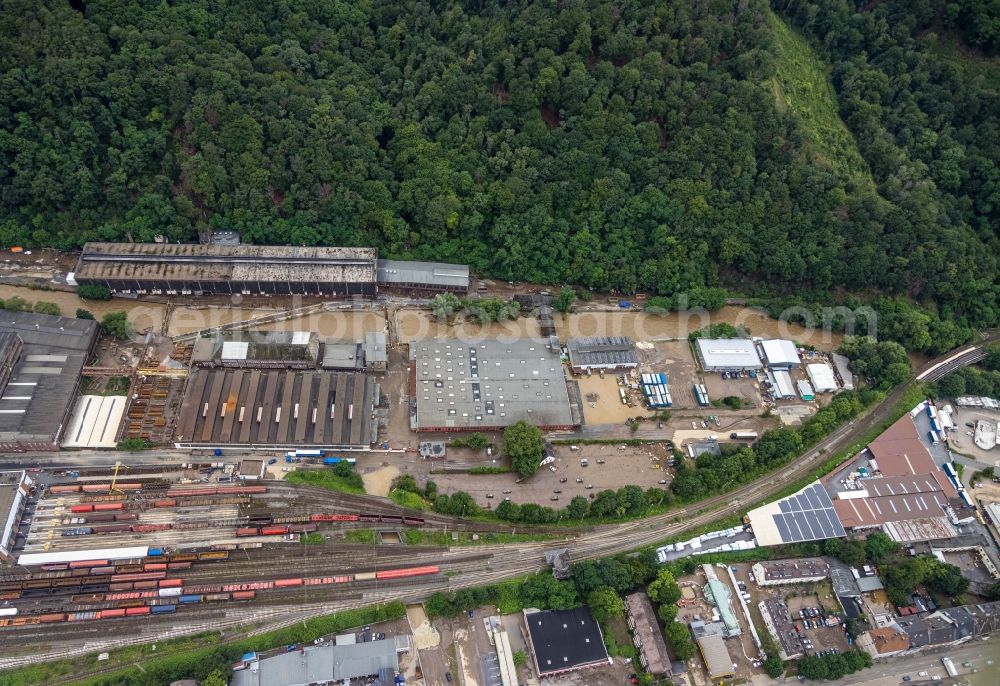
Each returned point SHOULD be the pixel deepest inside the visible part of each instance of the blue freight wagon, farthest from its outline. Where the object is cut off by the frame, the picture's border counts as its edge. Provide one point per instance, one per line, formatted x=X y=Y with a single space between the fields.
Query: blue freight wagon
x=189 y=599
x=155 y=552
x=162 y=609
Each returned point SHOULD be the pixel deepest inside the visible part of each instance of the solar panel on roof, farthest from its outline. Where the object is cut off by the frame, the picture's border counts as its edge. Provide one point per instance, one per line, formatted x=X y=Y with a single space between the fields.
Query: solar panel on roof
x=779 y=522
x=785 y=506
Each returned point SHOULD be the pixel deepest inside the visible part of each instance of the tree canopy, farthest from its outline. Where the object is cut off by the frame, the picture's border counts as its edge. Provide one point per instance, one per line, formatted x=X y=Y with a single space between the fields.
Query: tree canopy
x=523 y=444
x=638 y=146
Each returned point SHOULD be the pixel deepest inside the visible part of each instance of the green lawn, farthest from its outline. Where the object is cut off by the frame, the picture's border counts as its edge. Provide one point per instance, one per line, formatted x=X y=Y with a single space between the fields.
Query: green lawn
x=802 y=86
x=408 y=499
x=325 y=478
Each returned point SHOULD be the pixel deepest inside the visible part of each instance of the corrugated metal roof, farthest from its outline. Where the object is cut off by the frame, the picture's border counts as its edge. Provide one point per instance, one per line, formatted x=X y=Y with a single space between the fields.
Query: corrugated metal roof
x=728 y=353
x=428 y=274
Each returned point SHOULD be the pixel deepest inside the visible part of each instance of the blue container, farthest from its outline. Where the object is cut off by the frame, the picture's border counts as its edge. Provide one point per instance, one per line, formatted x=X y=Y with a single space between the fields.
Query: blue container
x=188 y=599
x=163 y=609
x=155 y=552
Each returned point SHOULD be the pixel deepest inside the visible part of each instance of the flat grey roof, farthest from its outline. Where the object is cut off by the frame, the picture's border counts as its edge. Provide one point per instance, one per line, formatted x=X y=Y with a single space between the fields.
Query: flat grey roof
x=728 y=353
x=428 y=274
x=342 y=356
x=320 y=664
x=65 y=333
x=602 y=351
x=264 y=408
x=240 y=263
x=40 y=390
x=489 y=384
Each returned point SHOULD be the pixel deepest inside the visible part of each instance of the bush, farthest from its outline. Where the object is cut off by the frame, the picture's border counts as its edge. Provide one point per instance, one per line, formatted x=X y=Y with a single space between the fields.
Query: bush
x=83 y=314
x=42 y=307
x=474 y=441
x=117 y=325
x=94 y=292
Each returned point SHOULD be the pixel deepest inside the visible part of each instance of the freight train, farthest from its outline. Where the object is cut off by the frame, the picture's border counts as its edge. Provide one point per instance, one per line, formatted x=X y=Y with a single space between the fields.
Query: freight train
x=169 y=594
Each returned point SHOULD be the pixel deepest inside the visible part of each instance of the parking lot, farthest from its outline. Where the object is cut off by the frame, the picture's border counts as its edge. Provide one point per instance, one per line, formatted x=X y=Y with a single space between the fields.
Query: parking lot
x=608 y=466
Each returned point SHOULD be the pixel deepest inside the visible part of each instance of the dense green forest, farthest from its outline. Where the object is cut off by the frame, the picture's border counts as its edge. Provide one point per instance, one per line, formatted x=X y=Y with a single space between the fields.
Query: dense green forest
x=667 y=146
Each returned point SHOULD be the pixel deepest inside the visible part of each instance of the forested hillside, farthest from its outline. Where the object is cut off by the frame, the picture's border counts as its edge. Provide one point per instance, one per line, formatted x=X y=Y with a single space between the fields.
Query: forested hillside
x=628 y=144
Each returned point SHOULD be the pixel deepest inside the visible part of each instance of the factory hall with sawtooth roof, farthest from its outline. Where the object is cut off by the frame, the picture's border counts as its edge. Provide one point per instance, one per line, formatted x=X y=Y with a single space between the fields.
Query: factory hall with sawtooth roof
x=272 y=409
x=174 y=268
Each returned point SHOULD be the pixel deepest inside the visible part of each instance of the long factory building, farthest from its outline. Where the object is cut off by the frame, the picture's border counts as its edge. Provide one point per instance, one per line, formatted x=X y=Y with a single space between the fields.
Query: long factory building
x=192 y=269
x=272 y=409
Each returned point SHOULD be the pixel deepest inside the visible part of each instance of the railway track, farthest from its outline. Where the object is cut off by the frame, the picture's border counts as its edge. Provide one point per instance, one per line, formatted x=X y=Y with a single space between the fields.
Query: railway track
x=503 y=562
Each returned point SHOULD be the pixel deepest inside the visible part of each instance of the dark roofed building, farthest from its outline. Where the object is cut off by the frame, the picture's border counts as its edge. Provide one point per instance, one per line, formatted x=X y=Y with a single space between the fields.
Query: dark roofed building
x=43 y=357
x=646 y=634
x=277 y=409
x=602 y=353
x=951 y=626
x=564 y=640
x=176 y=268
x=258 y=350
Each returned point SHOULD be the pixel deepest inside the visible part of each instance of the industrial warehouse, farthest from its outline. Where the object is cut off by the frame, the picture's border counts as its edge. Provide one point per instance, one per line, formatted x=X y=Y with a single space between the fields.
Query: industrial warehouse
x=602 y=354
x=165 y=268
x=43 y=356
x=564 y=640
x=489 y=384
x=229 y=408
x=189 y=269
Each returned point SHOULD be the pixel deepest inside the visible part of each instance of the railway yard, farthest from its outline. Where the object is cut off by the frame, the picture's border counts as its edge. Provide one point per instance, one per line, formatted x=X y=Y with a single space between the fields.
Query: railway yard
x=151 y=551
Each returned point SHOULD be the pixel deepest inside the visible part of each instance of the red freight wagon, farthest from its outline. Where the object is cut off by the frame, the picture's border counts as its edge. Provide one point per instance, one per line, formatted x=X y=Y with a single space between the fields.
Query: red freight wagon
x=171 y=583
x=244 y=595
x=88 y=563
x=106 y=507
x=109 y=614
x=64 y=489
x=110 y=569
x=123 y=586
x=333 y=518
x=55 y=567
x=149 y=528
x=110 y=529
x=142 y=585
x=165 y=503
x=104 y=488
x=154 y=567
x=286 y=583
x=54 y=617
x=273 y=530
x=77 y=509
x=179 y=565
x=409 y=571
x=135 y=611
x=144 y=576
x=246 y=531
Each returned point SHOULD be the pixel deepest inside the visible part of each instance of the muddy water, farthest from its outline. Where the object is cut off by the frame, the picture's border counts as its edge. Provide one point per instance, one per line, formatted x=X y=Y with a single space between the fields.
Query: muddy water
x=143 y=315
x=643 y=326
x=348 y=325
x=608 y=408
x=418 y=325
x=415 y=325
